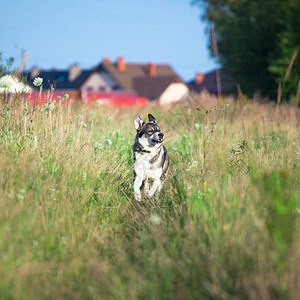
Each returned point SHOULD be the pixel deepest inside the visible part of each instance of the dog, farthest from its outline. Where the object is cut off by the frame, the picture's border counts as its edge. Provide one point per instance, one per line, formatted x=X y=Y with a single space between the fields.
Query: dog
x=151 y=160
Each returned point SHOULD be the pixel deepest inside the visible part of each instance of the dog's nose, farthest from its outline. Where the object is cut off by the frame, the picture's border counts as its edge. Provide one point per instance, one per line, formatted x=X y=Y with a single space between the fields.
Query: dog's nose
x=161 y=135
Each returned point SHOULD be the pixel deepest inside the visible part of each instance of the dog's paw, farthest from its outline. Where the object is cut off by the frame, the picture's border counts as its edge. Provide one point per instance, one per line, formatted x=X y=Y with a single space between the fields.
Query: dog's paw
x=137 y=197
x=151 y=193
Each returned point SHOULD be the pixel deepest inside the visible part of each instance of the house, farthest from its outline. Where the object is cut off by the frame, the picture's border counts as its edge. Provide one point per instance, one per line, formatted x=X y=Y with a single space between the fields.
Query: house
x=85 y=85
x=144 y=81
x=156 y=82
x=208 y=82
x=73 y=80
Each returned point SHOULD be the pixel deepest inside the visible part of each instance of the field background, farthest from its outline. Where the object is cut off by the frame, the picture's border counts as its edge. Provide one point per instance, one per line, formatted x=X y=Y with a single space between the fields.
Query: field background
x=226 y=225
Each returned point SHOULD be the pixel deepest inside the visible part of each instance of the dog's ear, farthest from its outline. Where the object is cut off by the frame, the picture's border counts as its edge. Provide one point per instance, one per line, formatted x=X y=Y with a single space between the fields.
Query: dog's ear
x=151 y=118
x=138 y=123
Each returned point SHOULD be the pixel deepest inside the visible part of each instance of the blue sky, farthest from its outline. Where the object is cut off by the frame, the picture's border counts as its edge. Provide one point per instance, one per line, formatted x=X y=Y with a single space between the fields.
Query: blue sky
x=60 y=33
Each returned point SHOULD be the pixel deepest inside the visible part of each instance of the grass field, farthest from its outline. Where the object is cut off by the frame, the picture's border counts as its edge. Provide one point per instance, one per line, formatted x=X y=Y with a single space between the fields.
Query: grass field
x=226 y=225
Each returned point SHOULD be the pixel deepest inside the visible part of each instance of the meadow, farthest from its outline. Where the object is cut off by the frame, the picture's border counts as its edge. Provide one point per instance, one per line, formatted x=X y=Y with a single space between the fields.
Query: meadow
x=224 y=227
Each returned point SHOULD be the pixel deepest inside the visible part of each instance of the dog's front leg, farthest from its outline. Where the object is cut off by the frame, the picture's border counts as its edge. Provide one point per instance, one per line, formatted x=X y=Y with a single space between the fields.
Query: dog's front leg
x=138 y=181
x=156 y=186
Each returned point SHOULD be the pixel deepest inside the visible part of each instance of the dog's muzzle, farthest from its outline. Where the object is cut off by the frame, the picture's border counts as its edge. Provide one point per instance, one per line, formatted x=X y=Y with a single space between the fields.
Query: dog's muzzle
x=160 y=138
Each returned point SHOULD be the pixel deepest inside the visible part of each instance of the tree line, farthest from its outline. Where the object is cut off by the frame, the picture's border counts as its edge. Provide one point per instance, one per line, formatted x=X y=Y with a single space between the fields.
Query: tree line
x=258 y=43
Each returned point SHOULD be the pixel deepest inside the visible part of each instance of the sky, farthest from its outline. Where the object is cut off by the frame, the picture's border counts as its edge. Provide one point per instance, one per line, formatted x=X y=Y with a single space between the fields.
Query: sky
x=57 y=34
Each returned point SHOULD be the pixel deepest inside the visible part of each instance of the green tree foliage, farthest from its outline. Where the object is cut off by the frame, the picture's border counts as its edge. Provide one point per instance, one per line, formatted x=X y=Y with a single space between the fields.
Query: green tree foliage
x=5 y=66
x=289 y=43
x=256 y=41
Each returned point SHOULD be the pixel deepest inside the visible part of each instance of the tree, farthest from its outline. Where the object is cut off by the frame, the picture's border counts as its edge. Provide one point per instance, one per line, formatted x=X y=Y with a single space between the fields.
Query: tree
x=255 y=41
x=289 y=49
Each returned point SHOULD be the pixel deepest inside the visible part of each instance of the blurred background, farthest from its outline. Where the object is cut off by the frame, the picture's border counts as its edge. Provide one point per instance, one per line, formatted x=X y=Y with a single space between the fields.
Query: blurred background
x=60 y=33
x=222 y=47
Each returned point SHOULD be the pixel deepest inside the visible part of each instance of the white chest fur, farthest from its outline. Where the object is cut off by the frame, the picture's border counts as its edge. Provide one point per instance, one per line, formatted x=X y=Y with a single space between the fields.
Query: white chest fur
x=148 y=165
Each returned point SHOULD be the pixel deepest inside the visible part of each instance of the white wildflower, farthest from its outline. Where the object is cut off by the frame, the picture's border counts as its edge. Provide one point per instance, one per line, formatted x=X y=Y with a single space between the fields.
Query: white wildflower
x=82 y=124
x=197 y=126
x=108 y=141
x=97 y=146
x=38 y=81
x=10 y=84
x=155 y=219
x=4 y=83
x=49 y=106
x=64 y=240
x=194 y=164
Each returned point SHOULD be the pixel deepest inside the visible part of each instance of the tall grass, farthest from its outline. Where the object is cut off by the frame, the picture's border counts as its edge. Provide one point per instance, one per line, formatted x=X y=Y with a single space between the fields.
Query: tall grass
x=224 y=226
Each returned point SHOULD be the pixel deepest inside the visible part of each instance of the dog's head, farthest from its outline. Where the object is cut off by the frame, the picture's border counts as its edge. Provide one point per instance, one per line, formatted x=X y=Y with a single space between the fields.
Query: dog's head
x=148 y=134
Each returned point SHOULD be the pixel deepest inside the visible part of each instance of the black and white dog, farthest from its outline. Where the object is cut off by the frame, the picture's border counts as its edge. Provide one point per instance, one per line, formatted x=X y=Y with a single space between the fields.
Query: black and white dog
x=151 y=161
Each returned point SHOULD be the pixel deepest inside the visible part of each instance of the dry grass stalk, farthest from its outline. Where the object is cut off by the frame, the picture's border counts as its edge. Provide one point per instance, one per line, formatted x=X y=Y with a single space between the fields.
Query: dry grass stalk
x=240 y=93
x=287 y=74
x=213 y=41
x=279 y=93
x=214 y=48
x=298 y=93
x=289 y=68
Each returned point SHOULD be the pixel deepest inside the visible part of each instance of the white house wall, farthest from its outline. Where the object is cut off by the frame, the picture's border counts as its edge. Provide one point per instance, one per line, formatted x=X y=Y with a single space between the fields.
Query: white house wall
x=96 y=83
x=108 y=79
x=173 y=93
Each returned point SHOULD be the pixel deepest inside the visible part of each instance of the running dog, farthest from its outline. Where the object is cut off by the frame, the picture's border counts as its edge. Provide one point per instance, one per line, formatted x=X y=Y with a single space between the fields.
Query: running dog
x=151 y=160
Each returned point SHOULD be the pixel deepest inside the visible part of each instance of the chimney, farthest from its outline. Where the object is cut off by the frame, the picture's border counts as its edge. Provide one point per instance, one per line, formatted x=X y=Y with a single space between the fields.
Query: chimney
x=199 y=78
x=121 y=64
x=152 y=69
x=74 y=72
x=106 y=60
x=35 y=72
